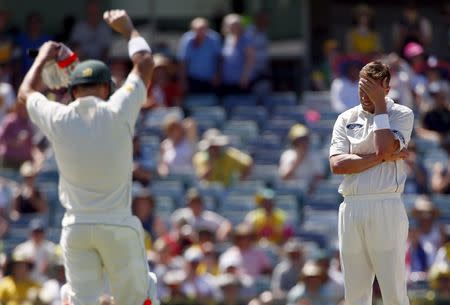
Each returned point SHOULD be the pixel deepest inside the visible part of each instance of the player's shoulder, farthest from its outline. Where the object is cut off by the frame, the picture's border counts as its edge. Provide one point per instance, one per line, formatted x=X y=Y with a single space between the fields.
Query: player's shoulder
x=349 y=114
x=401 y=110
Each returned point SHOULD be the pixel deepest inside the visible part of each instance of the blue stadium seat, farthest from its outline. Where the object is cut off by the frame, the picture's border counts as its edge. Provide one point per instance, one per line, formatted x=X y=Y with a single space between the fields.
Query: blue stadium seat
x=267 y=156
x=212 y=113
x=10 y=174
x=279 y=127
x=232 y=101
x=200 y=100
x=249 y=187
x=318 y=100
x=173 y=189
x=165 y=205
x=249 y=113
x=245 y=130
x=238 y=203
x=294 y=113
x=280 y=99
x=267 y=173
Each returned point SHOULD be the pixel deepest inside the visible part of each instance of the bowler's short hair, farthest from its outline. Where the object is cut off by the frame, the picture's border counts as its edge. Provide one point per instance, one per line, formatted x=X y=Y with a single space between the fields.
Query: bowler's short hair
x=377 y=71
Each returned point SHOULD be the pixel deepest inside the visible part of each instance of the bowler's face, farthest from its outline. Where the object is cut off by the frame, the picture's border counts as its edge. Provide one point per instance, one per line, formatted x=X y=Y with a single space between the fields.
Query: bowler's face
x=365 y=101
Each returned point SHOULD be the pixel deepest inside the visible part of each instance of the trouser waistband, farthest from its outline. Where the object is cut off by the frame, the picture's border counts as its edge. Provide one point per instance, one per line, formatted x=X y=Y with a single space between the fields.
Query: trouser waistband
x=382 y=196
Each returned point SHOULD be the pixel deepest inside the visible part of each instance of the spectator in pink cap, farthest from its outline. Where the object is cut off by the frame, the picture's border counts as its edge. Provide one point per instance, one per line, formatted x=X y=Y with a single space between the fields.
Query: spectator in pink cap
x=415 y=55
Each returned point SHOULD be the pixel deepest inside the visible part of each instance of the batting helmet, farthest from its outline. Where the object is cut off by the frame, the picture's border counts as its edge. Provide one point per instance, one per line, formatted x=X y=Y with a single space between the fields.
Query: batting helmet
x=90 y=72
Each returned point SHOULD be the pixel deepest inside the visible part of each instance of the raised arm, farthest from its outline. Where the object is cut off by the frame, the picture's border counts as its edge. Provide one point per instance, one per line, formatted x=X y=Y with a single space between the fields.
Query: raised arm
x=32 y=79
x=385 y=141
x=142 y=59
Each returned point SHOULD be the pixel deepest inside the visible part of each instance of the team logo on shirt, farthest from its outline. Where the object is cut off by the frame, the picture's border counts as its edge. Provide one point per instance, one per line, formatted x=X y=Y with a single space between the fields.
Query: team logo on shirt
x=354 y=126
x=399 y=136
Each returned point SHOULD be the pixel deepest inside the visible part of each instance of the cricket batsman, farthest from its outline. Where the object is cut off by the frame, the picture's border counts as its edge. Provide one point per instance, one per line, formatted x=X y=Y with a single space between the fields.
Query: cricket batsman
x=368 y=147
x=92 y=140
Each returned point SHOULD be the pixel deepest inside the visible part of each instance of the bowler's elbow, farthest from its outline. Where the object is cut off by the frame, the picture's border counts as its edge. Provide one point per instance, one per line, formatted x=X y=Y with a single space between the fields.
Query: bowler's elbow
x=23 y=94
x=337 y=166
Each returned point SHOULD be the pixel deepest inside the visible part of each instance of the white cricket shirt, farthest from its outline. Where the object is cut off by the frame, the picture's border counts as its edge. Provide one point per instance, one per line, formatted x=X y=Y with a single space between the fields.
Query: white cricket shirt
x=353 y=134
x=92 y=140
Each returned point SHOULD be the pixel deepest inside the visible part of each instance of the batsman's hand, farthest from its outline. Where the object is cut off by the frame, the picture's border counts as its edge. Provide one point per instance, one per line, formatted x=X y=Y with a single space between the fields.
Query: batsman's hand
x=400 y=155
x=48 y=50
x=119 y=21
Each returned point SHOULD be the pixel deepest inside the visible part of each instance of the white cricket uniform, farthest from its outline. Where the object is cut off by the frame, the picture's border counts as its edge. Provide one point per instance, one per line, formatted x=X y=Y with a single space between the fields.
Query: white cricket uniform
x=92 y=140
x=373 y=224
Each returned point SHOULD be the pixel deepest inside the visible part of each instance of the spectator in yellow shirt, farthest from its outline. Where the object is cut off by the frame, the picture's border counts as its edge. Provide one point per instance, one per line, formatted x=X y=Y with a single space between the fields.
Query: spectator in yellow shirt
x=216 y=162
x=17 y=288
x=268 y=221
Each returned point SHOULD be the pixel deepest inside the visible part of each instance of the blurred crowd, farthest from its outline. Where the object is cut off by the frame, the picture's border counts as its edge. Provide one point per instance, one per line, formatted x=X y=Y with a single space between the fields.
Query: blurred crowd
x=230 y=179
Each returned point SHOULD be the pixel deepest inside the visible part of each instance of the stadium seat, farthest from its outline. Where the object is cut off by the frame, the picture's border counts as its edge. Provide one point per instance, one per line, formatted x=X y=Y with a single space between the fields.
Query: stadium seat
x=201 y=100
x=280 y=99
x=173 y=189
x=249 y=187
x=267 y=173
x=245 y=130
x=267 y=156
x=237 y=203
x=232 y=101
x=317 y=100
x=165 y=206
x=278 y=127
x=249 y=113
x=212 y=113
x=294 y=113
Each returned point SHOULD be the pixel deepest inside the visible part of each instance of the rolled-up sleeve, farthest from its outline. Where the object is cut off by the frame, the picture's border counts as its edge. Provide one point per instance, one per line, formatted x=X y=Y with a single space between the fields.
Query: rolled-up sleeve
x=402 y=123
x=339 y=141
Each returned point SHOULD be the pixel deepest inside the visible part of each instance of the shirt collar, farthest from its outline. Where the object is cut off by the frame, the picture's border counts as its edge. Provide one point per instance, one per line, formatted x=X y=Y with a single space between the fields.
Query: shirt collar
x=389 y=103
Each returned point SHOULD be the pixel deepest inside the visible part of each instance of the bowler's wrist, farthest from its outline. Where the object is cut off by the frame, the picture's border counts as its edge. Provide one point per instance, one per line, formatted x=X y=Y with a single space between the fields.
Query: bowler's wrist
x=132 y=33
x=380 y=107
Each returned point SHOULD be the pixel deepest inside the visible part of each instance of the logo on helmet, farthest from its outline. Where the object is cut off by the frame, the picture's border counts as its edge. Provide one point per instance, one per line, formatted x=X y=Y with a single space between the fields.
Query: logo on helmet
x=87 y=72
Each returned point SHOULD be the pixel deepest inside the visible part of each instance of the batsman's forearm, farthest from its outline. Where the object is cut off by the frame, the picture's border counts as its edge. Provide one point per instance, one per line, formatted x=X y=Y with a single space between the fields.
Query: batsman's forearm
x=352 y=163
x=31 y=81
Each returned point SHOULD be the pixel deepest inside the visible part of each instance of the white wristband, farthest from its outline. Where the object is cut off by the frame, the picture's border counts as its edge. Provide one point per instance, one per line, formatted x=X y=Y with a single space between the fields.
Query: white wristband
x=137 y=44
x=381 y=121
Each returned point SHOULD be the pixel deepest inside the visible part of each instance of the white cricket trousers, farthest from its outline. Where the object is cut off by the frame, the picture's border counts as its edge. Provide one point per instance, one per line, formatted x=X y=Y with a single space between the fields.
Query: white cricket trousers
x=372 y=241
x=91 y=250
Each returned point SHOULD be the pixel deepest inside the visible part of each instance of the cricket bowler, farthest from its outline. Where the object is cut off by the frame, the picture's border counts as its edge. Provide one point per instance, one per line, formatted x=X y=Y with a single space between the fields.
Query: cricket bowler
x=368 y=147
x=92 y=141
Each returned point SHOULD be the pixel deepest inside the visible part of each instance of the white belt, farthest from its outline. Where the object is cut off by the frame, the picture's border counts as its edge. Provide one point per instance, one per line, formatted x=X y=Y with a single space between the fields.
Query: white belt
x=381 y=196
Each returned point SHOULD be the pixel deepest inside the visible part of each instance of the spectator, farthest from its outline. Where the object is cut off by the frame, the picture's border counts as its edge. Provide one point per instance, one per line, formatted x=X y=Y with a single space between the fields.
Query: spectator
x=238 y=57
x=67 y=26
x=40 y=249
x=252 y=261
x=230 y=287
x=285 y=274
x=439 y=282
x=335 y=286
x=32 y=38
x=311 y=289
x=5 y=203
x=426 y=214
x=199 y=55
x=215 y=162
x=200 y=287
x=416 y=173
x=416 y=257
x=163 y=261
x=231 y=265
x=443 y=254
x=210 y=262
x=51 y=291
x=324 y=74
x=143 y=207
x=196 y=216
x=178 y=148
x=6 y=38
x=17 y=287
x=344 y=89
x=298 y=162
x=440 y=180
x=163 y=91
x=29 y=200
x=174 y=294
x=7 y=94
x=435 y=120
x=258 y=34
x=92 y=36
x=401 y=81
x=411 y=28
x=120 y=67
x=16 y=138
x=361 y=37
x=141 y=165
x=415 y=56
x=268 y=222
